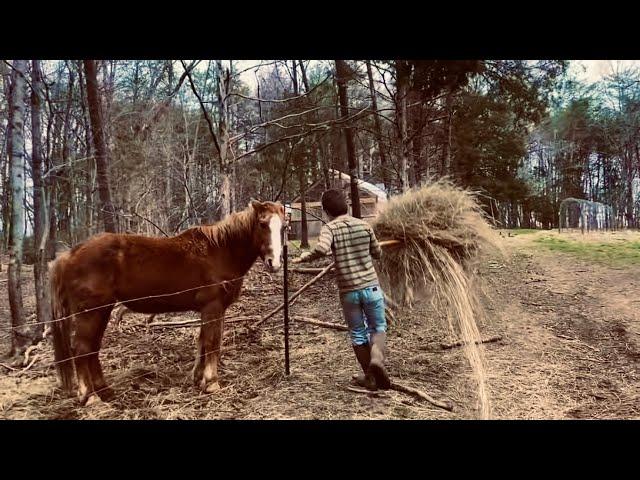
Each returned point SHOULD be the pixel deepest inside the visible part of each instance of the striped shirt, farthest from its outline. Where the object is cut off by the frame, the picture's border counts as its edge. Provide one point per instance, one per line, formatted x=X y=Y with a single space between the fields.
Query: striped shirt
x=353 y=245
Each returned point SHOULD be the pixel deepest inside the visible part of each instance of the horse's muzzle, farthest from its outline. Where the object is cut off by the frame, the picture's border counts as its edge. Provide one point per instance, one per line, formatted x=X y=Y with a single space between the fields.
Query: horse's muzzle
x=272 y=264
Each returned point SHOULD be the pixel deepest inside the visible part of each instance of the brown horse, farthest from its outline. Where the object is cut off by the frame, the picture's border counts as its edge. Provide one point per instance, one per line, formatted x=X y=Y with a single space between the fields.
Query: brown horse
x=200 y=270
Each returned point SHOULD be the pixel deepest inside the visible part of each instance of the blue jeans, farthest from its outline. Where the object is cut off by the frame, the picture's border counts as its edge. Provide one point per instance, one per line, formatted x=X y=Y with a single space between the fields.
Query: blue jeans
x=360 y=306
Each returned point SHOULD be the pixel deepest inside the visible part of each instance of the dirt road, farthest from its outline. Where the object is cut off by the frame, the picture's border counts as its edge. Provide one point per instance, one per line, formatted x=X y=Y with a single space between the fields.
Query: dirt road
x=573 y=333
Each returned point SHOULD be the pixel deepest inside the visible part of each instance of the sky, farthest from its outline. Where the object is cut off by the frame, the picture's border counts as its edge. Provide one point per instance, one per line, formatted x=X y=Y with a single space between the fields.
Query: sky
x=594 y=70
x=588 y=70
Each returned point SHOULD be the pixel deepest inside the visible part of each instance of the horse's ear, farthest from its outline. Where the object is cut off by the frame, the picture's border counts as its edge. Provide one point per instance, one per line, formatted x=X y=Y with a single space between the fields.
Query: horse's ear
x=256 y=204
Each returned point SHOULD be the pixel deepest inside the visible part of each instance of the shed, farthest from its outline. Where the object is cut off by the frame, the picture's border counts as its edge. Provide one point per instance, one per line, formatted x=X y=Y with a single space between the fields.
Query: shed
x=371 y=199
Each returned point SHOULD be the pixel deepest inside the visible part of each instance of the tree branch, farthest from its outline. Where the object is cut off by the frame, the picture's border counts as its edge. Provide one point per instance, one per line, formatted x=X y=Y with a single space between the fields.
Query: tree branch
x=284 y=100
x=204 y=110
x=146 y=219
x=319 y=126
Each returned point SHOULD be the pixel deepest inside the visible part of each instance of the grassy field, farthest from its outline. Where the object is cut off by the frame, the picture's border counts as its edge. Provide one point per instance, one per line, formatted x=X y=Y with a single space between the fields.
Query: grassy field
x=522 y=231
x=616 y=251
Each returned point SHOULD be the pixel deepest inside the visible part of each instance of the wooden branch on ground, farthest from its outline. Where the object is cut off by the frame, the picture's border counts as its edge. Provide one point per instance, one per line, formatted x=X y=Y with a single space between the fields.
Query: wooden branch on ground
x=294 y=296
x=445 y=404
x=28 y=352
x=460 y=343
x=306 y=270
x=318 y=323
x=33 y=361
x=9 y=367
x=196 y=322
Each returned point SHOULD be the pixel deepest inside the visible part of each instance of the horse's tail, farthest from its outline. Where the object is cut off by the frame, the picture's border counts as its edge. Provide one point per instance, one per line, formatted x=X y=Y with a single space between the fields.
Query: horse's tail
x=61 y=325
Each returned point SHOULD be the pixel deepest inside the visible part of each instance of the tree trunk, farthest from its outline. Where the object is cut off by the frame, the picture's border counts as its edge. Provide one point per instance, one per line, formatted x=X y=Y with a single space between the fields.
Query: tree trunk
x=342 y=74
x=301 y=164
x=629 y=190
x=403 y=70
x=4 y=185
x=322 y=160
x=304 y=226
x=378 y=131
x=89 y=155
x=223 y=137
x=305 y=80
x=418 y=164
x=446 y=158
x=6 y=166
x=107 y=211
x=225 y=193
x=64 y=176
x=40 y=216
x=20 y=337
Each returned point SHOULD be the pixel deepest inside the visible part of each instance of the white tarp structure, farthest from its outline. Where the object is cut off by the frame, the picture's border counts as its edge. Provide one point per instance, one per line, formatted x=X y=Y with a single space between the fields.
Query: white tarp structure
x=586 y=215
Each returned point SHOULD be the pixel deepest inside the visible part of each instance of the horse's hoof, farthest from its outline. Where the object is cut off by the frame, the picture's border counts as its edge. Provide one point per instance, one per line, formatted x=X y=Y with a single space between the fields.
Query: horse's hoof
x=93 y=399
x=212 y=387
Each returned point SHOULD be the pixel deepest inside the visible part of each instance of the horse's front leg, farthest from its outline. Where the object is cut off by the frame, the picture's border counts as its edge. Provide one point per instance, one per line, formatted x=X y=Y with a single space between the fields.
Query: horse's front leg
x=209 y=347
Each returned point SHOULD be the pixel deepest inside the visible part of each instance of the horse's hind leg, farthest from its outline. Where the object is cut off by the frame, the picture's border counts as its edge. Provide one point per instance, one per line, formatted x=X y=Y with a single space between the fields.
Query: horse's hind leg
x=198 y=368
x=88 y=337
x=99 y=384
x=209 y=347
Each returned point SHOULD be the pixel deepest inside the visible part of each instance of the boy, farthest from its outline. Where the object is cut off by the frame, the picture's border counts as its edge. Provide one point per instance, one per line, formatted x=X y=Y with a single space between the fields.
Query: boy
x=354 y=244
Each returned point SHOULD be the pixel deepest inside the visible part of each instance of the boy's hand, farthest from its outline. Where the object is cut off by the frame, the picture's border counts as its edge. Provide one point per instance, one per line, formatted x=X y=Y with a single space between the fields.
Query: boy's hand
x=301 y=258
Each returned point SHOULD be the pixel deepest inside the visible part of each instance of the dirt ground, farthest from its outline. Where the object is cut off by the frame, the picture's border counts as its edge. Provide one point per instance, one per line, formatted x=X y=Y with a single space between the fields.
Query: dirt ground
x=570 y=349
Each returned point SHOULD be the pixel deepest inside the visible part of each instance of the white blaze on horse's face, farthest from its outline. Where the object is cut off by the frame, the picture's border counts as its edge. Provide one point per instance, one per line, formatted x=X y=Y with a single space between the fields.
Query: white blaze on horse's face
x=273 y=258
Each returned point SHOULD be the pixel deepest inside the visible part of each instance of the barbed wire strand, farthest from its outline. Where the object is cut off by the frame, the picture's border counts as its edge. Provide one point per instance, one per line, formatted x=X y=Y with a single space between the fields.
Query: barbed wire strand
x=120 y=302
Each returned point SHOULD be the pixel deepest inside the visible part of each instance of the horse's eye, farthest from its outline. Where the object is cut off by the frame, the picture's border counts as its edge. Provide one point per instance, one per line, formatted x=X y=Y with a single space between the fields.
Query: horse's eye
x=264 y=224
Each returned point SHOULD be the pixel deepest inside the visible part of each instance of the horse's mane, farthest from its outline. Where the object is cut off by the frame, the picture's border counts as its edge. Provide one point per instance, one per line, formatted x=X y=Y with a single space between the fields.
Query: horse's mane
x=236 y=226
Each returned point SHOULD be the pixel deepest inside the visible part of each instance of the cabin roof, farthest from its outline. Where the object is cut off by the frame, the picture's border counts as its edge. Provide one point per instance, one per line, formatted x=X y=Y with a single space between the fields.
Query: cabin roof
x=371 y=189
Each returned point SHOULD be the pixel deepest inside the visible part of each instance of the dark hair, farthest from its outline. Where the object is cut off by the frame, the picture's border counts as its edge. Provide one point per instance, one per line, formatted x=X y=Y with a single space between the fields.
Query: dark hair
x=334 y=202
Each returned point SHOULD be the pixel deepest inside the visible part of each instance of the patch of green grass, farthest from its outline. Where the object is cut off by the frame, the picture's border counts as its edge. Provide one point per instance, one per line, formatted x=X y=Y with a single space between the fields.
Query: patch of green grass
x=623 y=252
x=522 y=231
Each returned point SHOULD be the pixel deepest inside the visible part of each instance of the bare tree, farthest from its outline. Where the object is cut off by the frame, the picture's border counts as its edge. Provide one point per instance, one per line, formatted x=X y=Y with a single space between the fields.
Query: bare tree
x=4 y=167
x=378 y=129
x=403 y=70
x=301 y=164
x=224 y=84
x=95 y=113
x=20 y=338
x=40 y=215
x=343 y=72
x=220 y=138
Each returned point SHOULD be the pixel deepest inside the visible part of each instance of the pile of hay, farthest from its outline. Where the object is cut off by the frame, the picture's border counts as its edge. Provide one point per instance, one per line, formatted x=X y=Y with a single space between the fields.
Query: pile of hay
x=442 y=229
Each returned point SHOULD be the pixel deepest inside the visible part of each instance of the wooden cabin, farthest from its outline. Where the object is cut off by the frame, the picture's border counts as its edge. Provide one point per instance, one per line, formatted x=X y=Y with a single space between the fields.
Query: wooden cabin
x=371 y=198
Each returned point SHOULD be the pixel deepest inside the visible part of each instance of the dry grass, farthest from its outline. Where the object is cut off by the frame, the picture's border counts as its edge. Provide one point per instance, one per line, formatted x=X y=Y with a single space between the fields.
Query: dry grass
x=569 y=350
x=150 y=370
x=443 y=230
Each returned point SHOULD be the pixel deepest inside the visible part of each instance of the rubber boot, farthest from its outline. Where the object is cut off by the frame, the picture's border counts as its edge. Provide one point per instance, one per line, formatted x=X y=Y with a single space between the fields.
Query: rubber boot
x=376 y=363
x=363 y=354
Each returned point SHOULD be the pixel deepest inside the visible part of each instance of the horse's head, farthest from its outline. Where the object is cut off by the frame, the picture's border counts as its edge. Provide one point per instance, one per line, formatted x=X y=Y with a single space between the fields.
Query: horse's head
x=267 y=233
